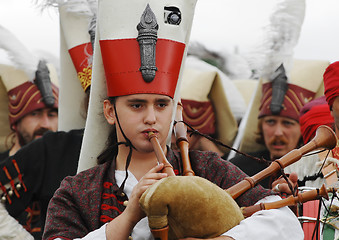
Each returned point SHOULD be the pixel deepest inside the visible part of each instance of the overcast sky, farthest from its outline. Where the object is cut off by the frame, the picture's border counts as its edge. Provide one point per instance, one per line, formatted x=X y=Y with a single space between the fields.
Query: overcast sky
x=219 y=24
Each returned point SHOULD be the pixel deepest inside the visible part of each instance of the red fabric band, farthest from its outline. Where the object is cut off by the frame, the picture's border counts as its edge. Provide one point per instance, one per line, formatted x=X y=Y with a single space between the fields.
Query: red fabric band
x=331 y=82
x=310 y=121
x=121 y=59
x=27 y=98
x=81 y=55
x=199 y=115
x=295 y=99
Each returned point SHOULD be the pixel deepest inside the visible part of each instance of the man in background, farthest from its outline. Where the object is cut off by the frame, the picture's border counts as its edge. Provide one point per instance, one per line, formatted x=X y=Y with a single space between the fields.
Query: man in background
x=278 y=128
x=32 y=111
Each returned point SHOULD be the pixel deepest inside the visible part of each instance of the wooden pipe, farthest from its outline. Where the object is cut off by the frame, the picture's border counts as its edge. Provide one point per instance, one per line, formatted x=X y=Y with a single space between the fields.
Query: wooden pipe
x=289 y=201
x=160 y=154
x=180 y=132
x=324 y=138
x=161 y=234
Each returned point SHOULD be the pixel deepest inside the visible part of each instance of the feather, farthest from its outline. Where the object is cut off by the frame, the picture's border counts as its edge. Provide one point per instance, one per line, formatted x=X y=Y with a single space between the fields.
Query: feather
x=273 y=58
x=233 y=65
x=81 y=7
x=281 y=36
x=19 y=55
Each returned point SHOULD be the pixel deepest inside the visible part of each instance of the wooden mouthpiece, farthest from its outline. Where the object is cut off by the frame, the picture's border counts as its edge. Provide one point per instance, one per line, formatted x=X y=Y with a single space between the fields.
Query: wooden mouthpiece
x=180 y=132
x=159 y=153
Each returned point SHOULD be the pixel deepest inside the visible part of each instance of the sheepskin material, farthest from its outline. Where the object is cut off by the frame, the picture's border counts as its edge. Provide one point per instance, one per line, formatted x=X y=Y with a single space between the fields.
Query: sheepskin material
x=192 y=207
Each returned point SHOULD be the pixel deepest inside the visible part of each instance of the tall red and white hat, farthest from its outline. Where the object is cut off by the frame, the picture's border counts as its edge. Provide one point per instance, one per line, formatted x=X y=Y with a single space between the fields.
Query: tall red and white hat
x=76 y=57
x=140 y=48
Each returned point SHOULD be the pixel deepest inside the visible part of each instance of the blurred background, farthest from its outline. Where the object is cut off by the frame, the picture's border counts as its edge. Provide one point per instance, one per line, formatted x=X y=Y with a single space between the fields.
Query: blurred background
x=221 y=25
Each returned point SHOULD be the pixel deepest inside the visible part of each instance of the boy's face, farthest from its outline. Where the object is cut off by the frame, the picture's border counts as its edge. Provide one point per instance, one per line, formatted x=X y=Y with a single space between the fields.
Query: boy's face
x=141 y=113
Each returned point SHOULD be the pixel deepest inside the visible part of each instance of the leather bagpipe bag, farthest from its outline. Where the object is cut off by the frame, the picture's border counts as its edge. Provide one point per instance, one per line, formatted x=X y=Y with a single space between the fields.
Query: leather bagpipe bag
x=192 y=207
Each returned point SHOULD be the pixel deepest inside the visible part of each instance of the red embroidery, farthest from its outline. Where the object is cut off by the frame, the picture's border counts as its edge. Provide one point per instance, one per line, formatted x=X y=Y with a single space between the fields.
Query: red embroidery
x=19 y=174
x=6 y=194
x=110 y=195
x=32 y=216
x=105 y=218
x=107 y=207
x=108 y=184
x=11 y=182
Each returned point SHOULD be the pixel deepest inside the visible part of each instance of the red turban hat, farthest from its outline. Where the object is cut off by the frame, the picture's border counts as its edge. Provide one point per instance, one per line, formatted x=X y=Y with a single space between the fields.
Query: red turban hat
x=200 y=115
x=295 y=99
x=27 y=98
x=312 y=115
x=331 y=82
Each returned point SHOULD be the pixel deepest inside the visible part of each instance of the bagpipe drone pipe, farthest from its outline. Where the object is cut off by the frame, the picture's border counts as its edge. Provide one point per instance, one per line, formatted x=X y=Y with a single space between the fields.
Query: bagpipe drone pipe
x=169 y=206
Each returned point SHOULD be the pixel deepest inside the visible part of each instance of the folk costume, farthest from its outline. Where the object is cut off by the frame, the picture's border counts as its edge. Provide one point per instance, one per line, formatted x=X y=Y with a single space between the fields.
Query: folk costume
x=320 y=168
x=30 y=84
x=299 y=91
x=36 y=171
x=143 y=53
x=38 y=168
x=308 y=168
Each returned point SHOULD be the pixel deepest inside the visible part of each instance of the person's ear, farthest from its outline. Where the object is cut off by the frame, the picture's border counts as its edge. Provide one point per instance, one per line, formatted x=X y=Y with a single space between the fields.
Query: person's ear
x=14 y=127
x=109 y=112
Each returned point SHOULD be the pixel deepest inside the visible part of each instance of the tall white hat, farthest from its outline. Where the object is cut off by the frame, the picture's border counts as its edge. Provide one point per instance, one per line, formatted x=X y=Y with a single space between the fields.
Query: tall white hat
x=124 y=60
x=76 y=53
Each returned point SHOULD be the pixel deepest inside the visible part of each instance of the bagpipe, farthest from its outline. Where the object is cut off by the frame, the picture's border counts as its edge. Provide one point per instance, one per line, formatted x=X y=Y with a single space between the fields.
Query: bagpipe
x=173 y=210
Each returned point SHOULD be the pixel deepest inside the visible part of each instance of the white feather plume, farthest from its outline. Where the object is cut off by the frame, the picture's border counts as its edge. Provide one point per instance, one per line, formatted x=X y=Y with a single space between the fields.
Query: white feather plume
x=233 y=65
x=93 y=5
x=282 y=35
x=19 y=55
x=81 y=7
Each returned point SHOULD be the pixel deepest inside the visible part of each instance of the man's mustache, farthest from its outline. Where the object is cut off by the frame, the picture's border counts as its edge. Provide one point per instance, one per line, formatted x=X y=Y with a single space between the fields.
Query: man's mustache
x=281 y=140
x=40 y=131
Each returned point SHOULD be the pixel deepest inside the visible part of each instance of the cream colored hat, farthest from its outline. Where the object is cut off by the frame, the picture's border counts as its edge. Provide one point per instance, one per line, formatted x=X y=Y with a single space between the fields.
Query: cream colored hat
x=76 y=54
x=204 y=84
x=304 y=73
